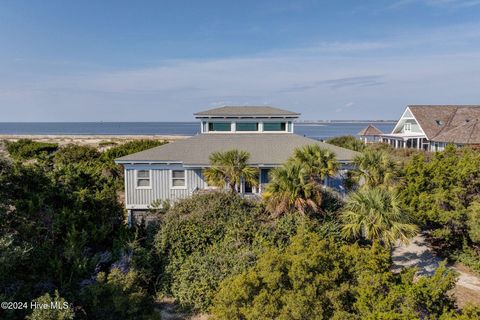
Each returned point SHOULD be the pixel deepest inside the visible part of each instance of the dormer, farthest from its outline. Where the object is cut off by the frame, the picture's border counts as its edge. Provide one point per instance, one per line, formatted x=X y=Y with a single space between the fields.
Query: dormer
x=246 y=119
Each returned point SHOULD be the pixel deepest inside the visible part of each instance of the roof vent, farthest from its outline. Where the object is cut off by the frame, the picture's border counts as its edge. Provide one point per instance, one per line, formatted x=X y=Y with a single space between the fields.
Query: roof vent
x=439 y=122
x=467 y=120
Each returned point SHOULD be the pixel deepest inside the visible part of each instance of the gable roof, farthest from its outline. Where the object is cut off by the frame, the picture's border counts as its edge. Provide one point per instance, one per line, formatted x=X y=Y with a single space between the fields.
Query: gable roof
x=448 y=123
x=370 y=130
x=467 y=133
x=257 y=111
x=266 y=149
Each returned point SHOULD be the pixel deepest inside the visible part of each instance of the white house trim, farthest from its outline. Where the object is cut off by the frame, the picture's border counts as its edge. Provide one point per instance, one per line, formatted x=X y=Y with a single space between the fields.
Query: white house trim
x=404 y=117
x=149 y=179
x=185 y=178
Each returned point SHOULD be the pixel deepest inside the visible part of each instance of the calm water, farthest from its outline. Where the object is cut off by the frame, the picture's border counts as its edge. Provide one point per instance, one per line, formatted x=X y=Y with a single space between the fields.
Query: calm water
x=317 y=131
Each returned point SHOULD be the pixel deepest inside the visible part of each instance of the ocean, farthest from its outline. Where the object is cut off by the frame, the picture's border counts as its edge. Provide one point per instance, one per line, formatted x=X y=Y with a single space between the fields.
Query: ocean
x=313 y=130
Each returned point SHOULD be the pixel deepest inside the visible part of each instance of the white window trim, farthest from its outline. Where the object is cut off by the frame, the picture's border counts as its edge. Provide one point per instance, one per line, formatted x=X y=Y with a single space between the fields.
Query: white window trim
x=407 y=127
x=149 y=179
x=171 y=180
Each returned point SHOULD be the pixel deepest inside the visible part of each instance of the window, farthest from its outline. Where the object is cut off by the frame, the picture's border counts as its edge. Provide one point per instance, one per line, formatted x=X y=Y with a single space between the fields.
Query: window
x=274 y=126
x=143 y=178
x=264 y=176
x=178 y=179
x=219 y=126
x=247 y=126
x=408 y=127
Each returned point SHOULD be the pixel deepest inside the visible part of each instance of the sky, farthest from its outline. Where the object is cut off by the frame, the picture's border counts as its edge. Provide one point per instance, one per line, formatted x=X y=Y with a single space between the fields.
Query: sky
x=116 y=60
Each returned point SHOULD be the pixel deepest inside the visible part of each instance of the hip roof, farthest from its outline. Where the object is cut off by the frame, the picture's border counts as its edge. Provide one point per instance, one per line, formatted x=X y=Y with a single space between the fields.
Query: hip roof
x=264 y=149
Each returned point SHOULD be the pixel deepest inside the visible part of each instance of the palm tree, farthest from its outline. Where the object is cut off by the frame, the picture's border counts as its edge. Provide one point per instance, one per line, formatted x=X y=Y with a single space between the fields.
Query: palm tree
x=290 y=190
x=318 y=163
x=375 y=168
x=374 y=214
x=230 y=168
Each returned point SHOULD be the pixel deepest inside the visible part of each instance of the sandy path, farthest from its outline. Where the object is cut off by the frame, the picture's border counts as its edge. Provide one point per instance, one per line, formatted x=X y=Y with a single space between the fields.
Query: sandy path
x=417 y=253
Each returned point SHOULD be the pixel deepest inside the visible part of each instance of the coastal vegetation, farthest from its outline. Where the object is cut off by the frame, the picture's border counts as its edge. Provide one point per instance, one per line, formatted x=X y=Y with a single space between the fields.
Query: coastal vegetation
x=229 y=168
x=300 y=252
x=25 y=149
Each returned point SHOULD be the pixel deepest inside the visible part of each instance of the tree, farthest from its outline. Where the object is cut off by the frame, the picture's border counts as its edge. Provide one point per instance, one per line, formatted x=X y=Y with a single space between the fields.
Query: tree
x=375 y=168
x=441 y=194
x=230 y=168
x=56 y=308
x=25 y=149
x=291 y=189
x=314 y=278
x=118 y=295
x=349 y=142
x=317 y=163
x=374 y=214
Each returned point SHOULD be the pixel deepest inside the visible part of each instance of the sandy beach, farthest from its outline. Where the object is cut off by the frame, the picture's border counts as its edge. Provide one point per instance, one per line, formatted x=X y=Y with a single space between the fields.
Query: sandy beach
x=102 y=142
x=93 y=140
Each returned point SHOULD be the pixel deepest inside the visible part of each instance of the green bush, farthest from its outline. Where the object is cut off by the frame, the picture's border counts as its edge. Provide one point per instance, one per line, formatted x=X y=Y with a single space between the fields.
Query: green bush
x=196 y=281
x=319 y=279
x=348 y=142
x=117 y=295
x=438 y=193
x=75 y=154
x=131 y=147
x=309 y=279
x=57 y=308
x=191 y=227
x=25 y=149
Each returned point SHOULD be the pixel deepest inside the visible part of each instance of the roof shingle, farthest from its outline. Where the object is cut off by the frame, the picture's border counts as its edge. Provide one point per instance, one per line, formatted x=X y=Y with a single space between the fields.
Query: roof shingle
x=449 y=123
x=264 y=149
x=233 y=111
x=370 y=130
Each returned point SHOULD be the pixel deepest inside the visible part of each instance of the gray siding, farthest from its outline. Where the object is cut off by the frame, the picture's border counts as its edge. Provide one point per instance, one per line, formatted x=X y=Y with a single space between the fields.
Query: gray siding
x=160 y=186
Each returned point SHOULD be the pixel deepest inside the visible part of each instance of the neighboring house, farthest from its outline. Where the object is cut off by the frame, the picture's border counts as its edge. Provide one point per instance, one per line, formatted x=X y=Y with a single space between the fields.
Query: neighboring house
x=432 y=127
x=370 y=134
x=175 y=170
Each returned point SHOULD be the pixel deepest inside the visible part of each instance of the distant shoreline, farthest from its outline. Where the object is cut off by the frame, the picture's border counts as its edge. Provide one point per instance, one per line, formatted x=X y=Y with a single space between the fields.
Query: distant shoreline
x=92 y=140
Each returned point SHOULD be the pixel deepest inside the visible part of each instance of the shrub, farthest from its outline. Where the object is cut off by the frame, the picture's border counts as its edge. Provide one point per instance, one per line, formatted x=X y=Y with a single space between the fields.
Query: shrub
x=319 y=279
x=348 y=142
x=117 y=296
x=309 y=279
x=107 y=143
x=196 y=281
x=57 y=308
x=25 y=149
x=131 y=147
x=190 y=228
x=75 y=154
x=441 y=194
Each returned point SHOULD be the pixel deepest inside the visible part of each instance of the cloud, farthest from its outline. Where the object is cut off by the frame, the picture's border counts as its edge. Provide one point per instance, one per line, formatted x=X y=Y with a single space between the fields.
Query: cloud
x=321 y=81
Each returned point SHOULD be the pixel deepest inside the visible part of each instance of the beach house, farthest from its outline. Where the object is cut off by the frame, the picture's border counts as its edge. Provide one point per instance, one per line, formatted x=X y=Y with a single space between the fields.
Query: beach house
x=175 y=170
x=432 y=127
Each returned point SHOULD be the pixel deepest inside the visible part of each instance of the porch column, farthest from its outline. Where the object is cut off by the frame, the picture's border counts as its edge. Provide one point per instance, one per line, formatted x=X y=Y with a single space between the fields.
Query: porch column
x=396 y=143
